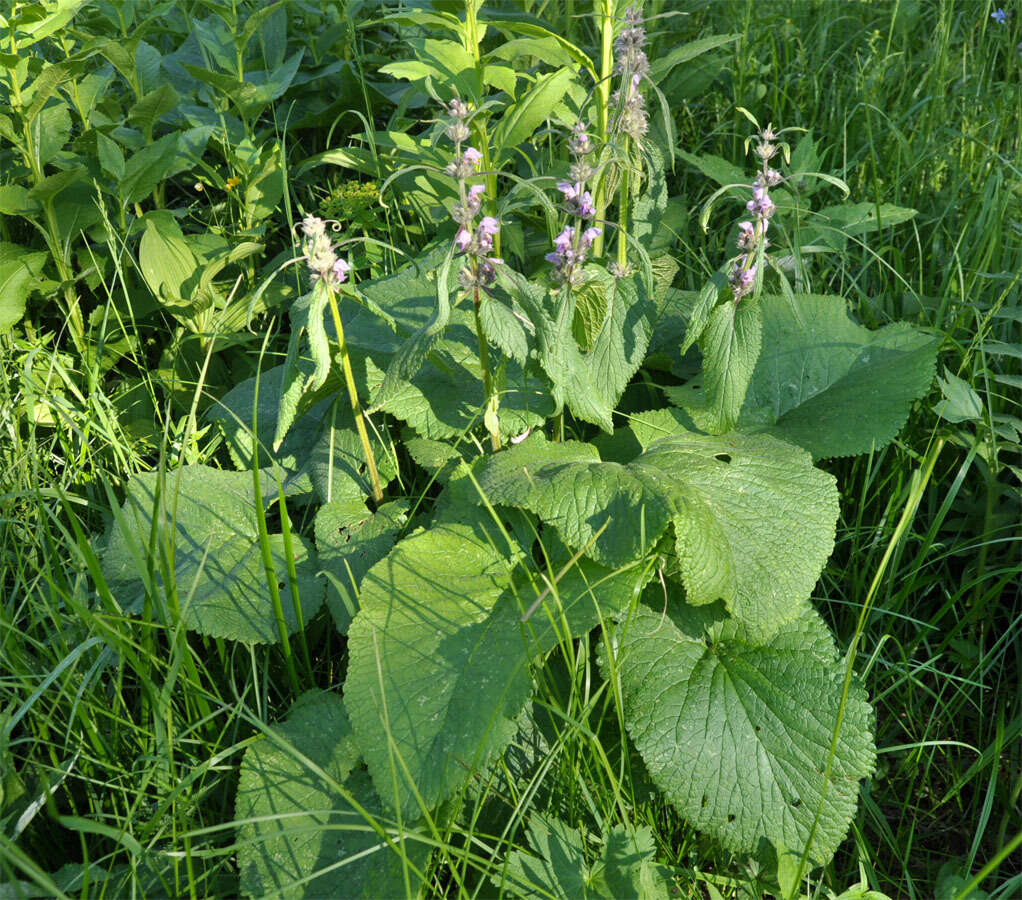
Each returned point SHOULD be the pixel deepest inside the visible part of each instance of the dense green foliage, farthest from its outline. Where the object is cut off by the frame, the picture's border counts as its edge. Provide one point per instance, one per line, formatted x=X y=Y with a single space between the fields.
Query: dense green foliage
x=435 y=575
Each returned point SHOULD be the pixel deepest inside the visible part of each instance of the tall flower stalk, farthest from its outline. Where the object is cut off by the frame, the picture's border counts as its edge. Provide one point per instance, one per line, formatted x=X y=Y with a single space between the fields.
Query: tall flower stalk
x=328 y=271
x=474 y=242
x=631 y=121
x=752 y=239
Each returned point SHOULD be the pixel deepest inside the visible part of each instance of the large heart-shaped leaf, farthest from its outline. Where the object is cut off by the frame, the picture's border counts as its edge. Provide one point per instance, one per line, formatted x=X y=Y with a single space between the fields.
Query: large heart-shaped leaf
x=206 y=518
x=753 y=520
x=299 y=833
x=439 y=665
x=825 y=383
x=737 y=731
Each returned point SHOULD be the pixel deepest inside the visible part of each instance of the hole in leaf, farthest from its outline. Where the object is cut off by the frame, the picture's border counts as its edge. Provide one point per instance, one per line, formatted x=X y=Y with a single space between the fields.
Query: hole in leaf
x=695 y=387
x=758 y=729
x=796 y=803
x=730 y=818
x=704 y=801
x=280 y=585
x=723 y=457
x=362 y=469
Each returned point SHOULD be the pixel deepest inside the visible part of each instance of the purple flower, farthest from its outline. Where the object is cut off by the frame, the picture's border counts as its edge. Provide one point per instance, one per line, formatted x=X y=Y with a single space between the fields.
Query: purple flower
x=341 y=270
x=746 y=235
x=578 y=202
x=472 y=157
x=462 y=239
x=563 y=241
x=487 y=228
x=476 y=190
x=760 y=205
x=579 y=143
x=742 y=279
x=570 y=191
x=999 y=15
x=588 y=236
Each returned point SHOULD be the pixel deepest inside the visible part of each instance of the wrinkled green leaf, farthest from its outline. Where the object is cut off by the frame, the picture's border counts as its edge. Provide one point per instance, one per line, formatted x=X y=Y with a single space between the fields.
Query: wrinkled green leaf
x=730 y=346
x=590 y=384
x=439 y=666
x=737 y=731
x=560 y=866
x=753 y=520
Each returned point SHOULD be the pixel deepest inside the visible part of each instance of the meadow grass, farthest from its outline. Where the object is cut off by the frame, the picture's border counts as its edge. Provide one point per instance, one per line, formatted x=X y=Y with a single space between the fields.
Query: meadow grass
x=120 y=733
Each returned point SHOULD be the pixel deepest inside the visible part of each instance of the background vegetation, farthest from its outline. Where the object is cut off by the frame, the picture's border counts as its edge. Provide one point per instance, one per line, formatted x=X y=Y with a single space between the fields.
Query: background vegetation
x=119 y=742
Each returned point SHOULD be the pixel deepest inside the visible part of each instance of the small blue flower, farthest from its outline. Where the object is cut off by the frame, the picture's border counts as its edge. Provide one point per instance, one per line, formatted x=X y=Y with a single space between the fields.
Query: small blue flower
x=999 y=15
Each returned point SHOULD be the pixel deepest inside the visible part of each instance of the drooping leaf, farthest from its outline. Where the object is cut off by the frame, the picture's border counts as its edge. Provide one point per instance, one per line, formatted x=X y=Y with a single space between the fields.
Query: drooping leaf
x=825 y=383
x=349 y=541
x=299 y=834
x=439 y=665
x=736 y=731
x=663 y=65
x=753 y=520
x=730 y=346
x=207 y=518
x=410 y=356
x=960 y=402
x=511 y=332
x=336 y=461
x=834 y=224
x=148 y=167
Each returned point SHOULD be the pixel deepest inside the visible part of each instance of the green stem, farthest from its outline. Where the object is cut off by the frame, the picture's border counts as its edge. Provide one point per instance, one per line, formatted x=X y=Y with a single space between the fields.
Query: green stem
x=356 y=407
x=603 y=107
x=484 y=362
x=622 y=212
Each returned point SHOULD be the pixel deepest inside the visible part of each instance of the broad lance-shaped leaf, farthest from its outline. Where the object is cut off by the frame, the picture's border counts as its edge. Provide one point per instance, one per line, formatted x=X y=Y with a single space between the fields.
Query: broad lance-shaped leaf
x=439 y=657
x=825 y=383
x=736 y=731
x=349 y=541
x=730 y=346
x=753 y=520
x=306 y=315
x=590 y=384
x=299 y=835
x=218 y=565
